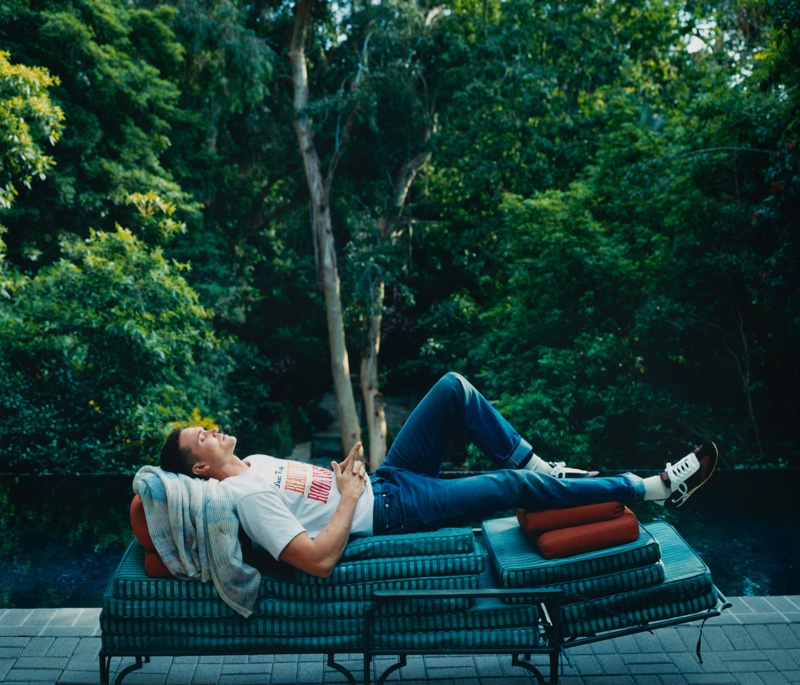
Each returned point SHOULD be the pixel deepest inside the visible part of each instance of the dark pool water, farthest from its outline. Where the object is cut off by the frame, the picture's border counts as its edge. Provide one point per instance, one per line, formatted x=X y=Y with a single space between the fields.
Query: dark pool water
x=62 y=537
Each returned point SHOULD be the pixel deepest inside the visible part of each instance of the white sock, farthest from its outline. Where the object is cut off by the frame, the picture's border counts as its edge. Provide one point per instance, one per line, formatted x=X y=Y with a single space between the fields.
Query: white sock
x=655 y=488
x=538 y=465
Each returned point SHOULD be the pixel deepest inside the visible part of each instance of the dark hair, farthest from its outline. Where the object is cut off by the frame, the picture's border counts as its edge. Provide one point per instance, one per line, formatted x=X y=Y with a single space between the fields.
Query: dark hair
x=176 y=458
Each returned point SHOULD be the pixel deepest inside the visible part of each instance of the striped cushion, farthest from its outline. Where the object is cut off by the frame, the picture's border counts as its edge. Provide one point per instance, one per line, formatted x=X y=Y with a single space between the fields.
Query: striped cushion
x=254 y=626
x=687 y=584
x=277 y=644
x=518 y=638
x=369 y=570
x=210 y=608
x=586 y=589
x=131 y=582
x=488 y=613
x=640 y=617
x=517 y=562
x=444 y=541
x=361 y=591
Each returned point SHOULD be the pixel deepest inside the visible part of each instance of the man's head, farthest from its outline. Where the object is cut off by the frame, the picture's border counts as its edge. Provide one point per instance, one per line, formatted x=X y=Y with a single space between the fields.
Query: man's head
x=176 y=458
x=196 y=451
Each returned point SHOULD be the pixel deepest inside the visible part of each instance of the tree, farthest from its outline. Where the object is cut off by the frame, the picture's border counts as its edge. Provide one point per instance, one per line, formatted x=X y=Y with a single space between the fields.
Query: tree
x=27 y=117
x=113 y=63
x=319 y=185
x=391 y=147
x=99 y=352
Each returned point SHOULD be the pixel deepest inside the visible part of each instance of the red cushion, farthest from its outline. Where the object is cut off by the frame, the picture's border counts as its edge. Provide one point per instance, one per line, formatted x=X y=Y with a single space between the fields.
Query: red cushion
x=553 y=519
x=567 y=542
x=153 y=565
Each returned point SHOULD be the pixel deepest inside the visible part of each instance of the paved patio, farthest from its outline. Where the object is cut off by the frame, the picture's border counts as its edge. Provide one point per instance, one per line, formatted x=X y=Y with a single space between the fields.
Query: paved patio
x=756 y=642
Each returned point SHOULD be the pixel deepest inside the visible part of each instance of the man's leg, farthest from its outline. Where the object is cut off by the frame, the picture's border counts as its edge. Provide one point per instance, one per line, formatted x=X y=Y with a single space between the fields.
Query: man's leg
x=452 y=405
x=412 y=502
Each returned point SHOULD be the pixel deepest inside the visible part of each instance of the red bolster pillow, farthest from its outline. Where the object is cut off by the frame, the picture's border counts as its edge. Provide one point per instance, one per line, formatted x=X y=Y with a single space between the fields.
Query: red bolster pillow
x=154 y=567
x=553 y=519
x=567 y=542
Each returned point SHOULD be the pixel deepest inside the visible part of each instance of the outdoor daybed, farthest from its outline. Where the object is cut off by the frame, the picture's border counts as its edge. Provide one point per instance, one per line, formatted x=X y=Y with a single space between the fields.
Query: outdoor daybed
x=454 y=591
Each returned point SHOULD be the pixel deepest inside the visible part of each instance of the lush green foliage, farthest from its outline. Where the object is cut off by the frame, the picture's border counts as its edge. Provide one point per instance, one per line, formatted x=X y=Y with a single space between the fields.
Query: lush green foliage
x=605 y=236
x=24 y=99
x=95 y=352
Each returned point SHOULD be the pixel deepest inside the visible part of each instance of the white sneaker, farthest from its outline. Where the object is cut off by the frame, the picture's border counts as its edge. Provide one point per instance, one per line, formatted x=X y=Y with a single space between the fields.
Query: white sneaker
x=690 y=473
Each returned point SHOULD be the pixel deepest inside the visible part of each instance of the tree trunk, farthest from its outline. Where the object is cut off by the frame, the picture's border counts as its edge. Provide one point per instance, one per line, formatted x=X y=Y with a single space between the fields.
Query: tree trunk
x=374 y=404
x=319 y=190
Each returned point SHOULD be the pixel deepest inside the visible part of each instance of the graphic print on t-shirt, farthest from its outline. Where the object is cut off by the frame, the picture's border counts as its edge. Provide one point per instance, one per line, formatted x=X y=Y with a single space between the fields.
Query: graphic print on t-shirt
x=294 y=478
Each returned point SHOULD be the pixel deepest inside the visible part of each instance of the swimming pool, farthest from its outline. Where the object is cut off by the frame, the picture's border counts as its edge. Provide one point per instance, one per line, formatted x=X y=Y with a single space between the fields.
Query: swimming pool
x=61 y=537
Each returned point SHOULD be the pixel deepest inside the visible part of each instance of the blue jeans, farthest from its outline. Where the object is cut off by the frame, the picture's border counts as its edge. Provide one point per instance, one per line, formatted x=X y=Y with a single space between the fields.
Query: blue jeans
x=409 y=496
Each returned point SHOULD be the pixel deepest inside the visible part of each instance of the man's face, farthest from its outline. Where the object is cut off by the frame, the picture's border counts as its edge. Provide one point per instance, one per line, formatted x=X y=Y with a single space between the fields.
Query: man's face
x=209 y=446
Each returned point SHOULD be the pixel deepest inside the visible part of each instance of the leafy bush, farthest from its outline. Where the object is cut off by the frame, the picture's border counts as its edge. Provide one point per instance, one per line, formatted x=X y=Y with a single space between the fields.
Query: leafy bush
x=99 y=352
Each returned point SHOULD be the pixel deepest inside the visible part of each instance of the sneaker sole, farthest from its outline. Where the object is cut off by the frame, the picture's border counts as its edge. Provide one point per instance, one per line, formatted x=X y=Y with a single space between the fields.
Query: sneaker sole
x=700 y=485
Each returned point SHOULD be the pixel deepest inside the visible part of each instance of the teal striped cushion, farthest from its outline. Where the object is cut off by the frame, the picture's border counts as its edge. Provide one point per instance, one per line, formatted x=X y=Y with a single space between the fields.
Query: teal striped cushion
x=231 y=627
x=131 y=582
x=686 y=578
x=369 y=570
x=586 y=589
x=163 y=644
x=639 y=617
x=519 y=638
x=488 y=613
x=212 y=608
x=360 y=591
x=443 y=541
x=517 y=562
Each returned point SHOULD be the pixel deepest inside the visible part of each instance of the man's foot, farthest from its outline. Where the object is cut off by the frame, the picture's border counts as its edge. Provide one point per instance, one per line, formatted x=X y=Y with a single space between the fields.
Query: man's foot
x=689 y=474
x=561 y=470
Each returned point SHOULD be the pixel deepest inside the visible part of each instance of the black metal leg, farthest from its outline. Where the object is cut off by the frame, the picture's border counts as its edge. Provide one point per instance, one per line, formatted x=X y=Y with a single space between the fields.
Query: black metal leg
x=133 y=667
x=394 y=667
x=105 y=662
x=554 y=663
x=516 y=661
x=344 y=671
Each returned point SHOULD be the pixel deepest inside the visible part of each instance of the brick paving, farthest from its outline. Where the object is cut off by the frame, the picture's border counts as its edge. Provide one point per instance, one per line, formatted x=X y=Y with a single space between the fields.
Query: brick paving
x=755 y=642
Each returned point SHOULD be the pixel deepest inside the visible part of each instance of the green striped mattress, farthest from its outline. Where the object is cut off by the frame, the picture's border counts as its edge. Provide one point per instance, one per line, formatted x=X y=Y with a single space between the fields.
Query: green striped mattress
x=586 y=589
x=391 y=568
x=518 y=638
x=137 y=608
x=168 y=644
x=517 y=563
x=500 y=639
x=687 y=588
x=268 y=607
x=131 y=582
x=443 y=541
x=487 y=614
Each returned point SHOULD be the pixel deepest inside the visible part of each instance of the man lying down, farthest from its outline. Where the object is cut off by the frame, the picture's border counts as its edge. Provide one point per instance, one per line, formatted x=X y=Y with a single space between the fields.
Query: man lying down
x=304 y=515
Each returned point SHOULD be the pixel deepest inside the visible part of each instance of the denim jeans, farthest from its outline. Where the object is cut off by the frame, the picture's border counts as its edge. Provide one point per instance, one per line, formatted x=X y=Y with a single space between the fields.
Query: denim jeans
x=409 y=496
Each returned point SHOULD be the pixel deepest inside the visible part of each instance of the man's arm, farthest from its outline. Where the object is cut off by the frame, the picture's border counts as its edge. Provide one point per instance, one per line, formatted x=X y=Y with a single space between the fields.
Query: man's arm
x=319 y=556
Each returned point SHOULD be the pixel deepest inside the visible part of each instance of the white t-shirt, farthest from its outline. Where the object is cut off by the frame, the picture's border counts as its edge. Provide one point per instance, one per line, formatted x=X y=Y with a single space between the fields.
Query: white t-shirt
x=277 y=499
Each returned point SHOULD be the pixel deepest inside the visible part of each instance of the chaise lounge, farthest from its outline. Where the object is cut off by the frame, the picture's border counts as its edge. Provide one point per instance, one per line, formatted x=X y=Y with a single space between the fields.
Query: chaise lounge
x=453 y=591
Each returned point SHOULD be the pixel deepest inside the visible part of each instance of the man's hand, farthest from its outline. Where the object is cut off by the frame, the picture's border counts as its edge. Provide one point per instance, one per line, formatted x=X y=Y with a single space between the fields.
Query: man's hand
x=350 y=475
x=320 y=555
